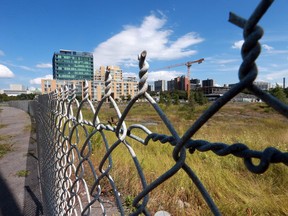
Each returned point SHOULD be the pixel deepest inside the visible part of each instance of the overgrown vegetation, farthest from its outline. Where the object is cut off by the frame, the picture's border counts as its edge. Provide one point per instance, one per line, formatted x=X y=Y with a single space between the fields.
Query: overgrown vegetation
x=280 y=93
x=177 y=96
x=235 y=190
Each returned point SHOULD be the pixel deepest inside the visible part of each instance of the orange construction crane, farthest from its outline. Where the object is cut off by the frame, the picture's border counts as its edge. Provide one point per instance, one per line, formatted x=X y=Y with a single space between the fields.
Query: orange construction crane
x=188 y=65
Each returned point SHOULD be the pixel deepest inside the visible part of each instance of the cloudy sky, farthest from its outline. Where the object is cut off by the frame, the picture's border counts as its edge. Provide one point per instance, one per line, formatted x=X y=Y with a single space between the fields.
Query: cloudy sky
x=172 y=32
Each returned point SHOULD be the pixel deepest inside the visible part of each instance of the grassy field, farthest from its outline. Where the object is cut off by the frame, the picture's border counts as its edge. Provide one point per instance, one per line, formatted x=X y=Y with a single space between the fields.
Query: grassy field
x=235 y=190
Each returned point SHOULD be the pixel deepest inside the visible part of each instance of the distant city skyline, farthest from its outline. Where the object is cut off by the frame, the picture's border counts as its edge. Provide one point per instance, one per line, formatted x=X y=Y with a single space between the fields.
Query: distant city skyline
x=116 y=32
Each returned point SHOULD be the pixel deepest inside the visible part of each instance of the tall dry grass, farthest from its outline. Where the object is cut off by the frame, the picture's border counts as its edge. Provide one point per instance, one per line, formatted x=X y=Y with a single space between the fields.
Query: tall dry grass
x=235 y=190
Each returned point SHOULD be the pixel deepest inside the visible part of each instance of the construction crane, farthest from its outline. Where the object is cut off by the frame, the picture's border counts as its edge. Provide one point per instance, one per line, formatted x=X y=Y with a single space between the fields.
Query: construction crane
x=188 y=65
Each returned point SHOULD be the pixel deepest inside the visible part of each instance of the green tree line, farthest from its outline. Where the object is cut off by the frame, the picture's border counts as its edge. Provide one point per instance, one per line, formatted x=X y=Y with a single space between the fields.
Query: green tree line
x=5 y=97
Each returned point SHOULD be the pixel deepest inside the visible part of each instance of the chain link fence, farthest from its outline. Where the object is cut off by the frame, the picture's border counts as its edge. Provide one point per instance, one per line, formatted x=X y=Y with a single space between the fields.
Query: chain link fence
x=66 y=140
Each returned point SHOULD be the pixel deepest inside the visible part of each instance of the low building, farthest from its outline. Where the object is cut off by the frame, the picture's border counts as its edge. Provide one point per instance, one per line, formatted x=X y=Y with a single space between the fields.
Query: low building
x=50 y=85
x=15 y=90
x=214 y=90
x=265 y=86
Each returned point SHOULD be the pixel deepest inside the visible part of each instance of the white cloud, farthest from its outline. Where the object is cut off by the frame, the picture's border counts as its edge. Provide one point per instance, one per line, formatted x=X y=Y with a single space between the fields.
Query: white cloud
x=25 y=67
x=2 y=53
x=5 y=72
x=278 y=51
x=123 y=48
x=238 y=44
x=275 y=75
x=129 y=74
x=163 y=75
x=44 y=65
x=37 y=81
x=224 y=61
x=267 y=47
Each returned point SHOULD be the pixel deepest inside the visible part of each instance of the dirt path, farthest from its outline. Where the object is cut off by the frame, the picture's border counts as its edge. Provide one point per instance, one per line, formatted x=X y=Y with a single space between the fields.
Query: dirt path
x=19 y=194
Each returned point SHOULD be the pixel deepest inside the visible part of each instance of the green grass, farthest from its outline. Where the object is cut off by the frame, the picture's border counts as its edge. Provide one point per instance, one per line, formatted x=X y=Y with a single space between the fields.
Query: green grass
x=235 y=190
x=5 y=148
x=5 y=137
x=5 y=145
x=3 y=125
x=23 y=173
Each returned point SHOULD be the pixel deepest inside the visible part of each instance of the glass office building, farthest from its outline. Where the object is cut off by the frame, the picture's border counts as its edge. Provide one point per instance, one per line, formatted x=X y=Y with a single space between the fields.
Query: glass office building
x=72 y=65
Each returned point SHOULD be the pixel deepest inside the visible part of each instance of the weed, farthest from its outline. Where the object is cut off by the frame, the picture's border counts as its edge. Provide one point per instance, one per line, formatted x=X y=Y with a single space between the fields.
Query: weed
x=5 y=137
x=23 y=173
x=3 y=125
x=5 y=148
x=27 y=128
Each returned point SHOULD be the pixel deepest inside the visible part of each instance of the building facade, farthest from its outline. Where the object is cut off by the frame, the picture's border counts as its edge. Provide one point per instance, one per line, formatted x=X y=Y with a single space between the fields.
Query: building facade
x=72 y=65
x=208 y=83
x=160 y=85
x=178 y=83
x=121 y=87
x=265 y=86
x=48 y=85
x=195 y=84
x=15 y=89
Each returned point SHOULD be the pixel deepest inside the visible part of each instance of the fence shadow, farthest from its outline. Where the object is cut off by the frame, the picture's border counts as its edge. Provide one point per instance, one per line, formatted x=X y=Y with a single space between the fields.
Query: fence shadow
x=8 y=204
x=32 y=196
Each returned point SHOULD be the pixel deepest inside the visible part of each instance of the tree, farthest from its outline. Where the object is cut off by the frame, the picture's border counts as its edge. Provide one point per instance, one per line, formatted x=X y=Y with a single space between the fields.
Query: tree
x=168 y=99
x=128 y=97
x=191 y=101
x=122 y=97
x=175 y=97
x=279 y=93
x=161 y=99
x=4 y=97
x=200 y=98
x=286 y=92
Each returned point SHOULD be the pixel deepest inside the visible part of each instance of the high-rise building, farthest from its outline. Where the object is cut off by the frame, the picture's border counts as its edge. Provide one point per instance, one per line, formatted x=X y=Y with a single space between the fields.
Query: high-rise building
x=194 y=84
x=178 y=83
x=171 y=85
x=72 y=65
x=207 y=83
x=160 y=85
x=208 y=86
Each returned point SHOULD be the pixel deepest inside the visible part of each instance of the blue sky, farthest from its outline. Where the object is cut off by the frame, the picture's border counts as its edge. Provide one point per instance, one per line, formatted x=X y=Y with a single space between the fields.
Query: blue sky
x=116 y=32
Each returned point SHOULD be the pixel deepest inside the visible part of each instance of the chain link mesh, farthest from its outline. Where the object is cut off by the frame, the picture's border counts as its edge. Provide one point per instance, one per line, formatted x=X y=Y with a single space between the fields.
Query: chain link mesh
x=65 y=139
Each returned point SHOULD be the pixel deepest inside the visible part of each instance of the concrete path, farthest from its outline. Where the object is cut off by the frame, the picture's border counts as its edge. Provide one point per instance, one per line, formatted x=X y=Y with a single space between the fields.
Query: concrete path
x=18 y=195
